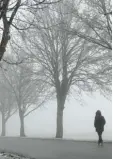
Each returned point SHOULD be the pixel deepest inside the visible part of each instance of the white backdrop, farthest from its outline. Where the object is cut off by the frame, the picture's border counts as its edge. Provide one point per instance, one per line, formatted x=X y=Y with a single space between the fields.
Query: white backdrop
x=78 y=120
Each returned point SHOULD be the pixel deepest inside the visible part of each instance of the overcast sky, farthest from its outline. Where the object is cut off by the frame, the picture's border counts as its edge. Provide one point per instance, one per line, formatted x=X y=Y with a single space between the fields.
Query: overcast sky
x=78 y=120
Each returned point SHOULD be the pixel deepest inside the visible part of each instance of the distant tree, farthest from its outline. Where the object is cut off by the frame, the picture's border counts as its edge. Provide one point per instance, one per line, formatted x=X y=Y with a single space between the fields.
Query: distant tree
x=29 y=93
x=8 y=106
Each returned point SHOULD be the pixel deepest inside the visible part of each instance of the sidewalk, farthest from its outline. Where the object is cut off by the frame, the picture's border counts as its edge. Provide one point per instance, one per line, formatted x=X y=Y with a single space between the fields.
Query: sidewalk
x=55 y=149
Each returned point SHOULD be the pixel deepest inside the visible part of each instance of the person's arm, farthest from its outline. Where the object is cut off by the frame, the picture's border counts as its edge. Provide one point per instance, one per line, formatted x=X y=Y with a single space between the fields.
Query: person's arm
x=104 y=121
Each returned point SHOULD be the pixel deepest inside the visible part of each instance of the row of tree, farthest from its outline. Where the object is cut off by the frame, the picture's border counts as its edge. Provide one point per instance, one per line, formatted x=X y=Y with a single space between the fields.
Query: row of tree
x=61 y=46
x=20 y=92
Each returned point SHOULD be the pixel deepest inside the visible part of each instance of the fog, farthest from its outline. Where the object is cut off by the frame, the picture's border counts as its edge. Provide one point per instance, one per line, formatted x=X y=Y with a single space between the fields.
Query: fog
x=78 y=120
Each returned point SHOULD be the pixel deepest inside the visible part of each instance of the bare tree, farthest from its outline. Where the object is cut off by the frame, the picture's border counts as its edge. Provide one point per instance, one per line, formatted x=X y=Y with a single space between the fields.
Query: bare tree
x=95 y=22
x=67 y=60
x=7 y=103
x=30 y=94
x=15 y=14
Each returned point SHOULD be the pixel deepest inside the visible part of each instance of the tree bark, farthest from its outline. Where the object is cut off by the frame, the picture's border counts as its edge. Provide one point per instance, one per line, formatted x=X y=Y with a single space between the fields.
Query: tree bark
x=22 y=130
x=3 y=126
x=60 y=108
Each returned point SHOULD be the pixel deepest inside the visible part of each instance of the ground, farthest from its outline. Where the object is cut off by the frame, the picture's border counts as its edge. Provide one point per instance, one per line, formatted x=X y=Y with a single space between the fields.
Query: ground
x=57 y=149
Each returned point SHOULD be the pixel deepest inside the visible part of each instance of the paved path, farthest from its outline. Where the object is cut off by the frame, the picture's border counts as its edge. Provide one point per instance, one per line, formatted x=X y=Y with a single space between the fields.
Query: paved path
x=56 y=149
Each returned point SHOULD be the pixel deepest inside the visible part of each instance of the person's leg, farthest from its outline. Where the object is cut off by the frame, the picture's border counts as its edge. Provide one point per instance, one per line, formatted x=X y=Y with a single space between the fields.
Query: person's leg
x=99 y=138
x=100 y=141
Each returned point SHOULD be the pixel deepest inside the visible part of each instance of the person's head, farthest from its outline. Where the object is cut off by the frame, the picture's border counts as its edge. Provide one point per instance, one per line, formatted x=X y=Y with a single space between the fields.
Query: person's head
x=98 y=113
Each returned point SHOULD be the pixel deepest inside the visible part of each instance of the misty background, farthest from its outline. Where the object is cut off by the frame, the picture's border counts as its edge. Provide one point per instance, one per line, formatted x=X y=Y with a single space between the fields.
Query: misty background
x=78 y=119
x=51 y=55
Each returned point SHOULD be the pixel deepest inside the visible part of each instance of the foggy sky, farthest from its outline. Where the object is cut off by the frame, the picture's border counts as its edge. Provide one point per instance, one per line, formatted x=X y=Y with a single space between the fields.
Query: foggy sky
x=78 y=120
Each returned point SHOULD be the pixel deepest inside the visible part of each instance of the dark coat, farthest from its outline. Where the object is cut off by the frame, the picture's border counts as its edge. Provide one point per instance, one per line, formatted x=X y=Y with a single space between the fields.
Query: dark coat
x=99 y=123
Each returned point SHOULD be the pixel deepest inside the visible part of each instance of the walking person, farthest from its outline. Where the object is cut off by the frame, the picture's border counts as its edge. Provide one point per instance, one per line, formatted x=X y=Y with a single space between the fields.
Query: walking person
x=99 y=123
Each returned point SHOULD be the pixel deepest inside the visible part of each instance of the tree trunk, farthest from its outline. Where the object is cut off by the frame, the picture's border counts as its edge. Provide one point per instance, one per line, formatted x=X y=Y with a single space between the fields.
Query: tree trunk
x=3 y=126
x=22 y=131
x=2 y=50
x=60 y=108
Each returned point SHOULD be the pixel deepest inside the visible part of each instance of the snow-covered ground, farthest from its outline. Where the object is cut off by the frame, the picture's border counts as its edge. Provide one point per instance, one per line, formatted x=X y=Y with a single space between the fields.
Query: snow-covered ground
x=11 y=156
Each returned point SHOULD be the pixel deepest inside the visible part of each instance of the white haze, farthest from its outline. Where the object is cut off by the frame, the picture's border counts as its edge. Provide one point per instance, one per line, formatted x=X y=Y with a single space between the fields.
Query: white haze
x=78 y=120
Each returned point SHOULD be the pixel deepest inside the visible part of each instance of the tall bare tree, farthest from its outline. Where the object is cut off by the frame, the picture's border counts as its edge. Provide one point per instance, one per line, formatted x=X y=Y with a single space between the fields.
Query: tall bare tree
x=68 y=61
x=15 y=14
x=95 y=22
